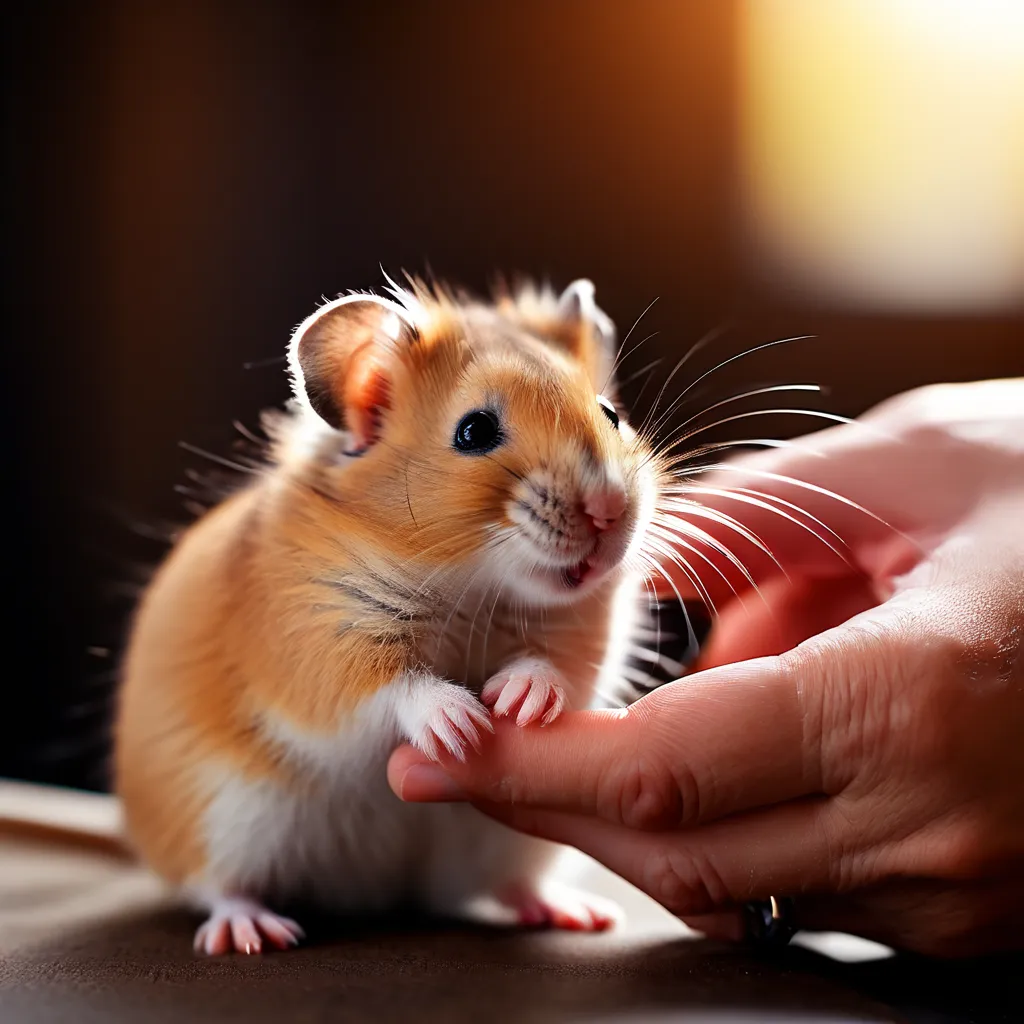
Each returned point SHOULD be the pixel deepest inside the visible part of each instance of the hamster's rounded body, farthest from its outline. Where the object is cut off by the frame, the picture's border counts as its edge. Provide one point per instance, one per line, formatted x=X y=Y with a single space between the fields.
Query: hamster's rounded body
x=368 y=589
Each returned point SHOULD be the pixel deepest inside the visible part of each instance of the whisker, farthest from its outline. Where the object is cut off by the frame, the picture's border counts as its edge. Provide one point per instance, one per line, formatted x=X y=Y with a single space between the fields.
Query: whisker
x=687 y=571
x=825 y=492
x=618 y=354
x=725 y=362
x=511 y=472
x=248 y=434
x=713 y=335
x=678 y=529
x=675 y=538
x=653 y=365
x=671 y=464
x=219 y=459
x=656 y=658
x=750 y=394
x=678 y=505
x=758 y=502
x=813 y=413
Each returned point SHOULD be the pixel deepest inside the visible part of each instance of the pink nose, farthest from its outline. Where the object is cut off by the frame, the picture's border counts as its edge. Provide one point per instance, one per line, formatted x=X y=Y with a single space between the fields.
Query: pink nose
x=604 y=506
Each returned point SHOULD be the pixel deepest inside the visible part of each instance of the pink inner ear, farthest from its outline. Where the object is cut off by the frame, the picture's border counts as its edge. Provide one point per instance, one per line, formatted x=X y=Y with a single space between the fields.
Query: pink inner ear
x=367 y=395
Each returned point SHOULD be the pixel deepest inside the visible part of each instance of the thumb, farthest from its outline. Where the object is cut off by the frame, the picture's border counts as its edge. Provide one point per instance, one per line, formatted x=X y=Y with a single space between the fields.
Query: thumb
x=712 y=744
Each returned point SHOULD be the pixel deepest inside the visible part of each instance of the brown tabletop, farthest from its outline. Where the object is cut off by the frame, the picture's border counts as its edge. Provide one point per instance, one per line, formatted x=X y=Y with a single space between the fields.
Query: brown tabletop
x=87 y=935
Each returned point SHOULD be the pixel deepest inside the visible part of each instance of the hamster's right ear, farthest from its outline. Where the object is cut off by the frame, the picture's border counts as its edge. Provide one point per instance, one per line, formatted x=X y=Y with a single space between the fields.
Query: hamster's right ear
x=340 y=360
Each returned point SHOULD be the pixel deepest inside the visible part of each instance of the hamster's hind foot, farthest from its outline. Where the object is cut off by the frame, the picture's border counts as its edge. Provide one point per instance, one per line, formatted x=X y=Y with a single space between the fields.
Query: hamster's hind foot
x=244 y=926
x=554 y=905
x=530 y=689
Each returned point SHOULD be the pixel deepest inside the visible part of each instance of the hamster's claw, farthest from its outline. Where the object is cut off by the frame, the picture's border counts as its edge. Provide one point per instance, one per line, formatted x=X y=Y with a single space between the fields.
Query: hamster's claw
x=455 y=723
x=559 y=906
x=244 y=926
x=532 y=685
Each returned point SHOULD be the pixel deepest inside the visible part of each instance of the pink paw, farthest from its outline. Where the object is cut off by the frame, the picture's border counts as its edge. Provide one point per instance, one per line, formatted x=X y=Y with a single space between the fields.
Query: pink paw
x=532 y=685
x=244 y=926
x=454 y=721
x=559 y=906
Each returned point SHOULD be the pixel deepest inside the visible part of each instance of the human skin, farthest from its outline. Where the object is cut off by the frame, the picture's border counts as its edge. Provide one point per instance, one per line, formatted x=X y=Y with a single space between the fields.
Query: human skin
x=853 y=734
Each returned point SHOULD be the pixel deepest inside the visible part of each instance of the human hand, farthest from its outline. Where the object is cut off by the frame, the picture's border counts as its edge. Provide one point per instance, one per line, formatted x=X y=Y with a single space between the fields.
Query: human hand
x=854 y=734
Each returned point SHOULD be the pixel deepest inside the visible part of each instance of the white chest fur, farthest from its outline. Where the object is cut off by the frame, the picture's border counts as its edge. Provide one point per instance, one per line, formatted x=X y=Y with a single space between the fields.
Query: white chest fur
x=337 y=837
x=342 y=841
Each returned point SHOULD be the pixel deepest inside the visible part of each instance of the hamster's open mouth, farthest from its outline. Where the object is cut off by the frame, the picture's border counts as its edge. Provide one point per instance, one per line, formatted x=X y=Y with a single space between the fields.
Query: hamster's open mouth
x=574 y=575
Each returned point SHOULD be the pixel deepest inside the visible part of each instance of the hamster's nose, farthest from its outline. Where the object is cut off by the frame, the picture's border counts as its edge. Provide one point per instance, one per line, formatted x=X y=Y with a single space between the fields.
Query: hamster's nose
x=604 y=505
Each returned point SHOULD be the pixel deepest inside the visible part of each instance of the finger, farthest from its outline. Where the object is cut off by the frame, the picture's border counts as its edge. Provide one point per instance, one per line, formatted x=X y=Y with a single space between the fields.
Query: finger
x=789 y=612
x=715 y=743
x=822 y=508
x=783 y=851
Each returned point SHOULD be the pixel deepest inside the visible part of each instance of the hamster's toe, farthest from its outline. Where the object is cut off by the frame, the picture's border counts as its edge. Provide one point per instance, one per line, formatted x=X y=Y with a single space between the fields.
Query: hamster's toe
x=454 y=720
x=530 y=688
x=555 y=905
x=244 y=926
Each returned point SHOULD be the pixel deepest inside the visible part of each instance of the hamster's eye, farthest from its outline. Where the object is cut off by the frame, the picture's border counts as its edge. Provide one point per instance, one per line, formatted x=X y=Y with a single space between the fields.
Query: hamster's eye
x=609 y=410
x=478 y=432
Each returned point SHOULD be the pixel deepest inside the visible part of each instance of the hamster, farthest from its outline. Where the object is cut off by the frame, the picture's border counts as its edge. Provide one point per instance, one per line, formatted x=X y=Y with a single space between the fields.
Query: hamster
x=447 y=531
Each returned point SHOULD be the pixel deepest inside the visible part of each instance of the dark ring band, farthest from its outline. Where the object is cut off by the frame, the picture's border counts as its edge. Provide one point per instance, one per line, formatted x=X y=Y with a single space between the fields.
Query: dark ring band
x=770 y=922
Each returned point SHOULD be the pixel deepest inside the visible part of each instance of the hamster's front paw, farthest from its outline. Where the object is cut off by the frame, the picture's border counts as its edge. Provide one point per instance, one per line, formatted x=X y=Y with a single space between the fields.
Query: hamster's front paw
x=449 y=716
x=532 y=685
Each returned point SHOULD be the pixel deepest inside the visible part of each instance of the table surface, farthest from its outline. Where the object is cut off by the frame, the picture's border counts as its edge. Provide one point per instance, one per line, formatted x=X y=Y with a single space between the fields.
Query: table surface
x=87 y=935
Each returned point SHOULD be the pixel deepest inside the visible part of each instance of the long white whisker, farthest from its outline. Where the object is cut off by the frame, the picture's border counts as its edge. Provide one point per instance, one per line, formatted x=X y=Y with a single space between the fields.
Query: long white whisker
x=824 y=491
x=724 y=362
x=680 y=532
x=757 y=502
x=687 y=571
x=677 y=538
x=679 y=505
x=710 y=336
x=705 y=449
x=618 y=355
x=750 y=414
x=751 y=394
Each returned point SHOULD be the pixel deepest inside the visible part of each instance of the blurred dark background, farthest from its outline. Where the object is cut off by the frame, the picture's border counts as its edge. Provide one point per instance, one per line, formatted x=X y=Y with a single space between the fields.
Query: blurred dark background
x=185 y=181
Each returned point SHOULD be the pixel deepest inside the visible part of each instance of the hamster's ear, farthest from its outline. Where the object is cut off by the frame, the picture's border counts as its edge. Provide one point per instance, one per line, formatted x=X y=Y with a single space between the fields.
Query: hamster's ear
x=578 y=310
x=340 y=360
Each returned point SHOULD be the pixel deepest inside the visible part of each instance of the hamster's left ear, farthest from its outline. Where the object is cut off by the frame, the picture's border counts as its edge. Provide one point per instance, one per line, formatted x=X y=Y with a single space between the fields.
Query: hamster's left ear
x=342 y=360
x=578 y=311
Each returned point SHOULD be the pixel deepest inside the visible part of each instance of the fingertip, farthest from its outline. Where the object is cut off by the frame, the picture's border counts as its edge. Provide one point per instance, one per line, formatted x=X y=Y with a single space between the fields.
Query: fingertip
x=402 y=759
x=414 y=778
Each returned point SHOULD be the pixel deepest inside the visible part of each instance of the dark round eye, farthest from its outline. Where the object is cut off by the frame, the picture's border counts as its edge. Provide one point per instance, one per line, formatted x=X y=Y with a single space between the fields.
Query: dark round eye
x=609 y=410
x=478 y=432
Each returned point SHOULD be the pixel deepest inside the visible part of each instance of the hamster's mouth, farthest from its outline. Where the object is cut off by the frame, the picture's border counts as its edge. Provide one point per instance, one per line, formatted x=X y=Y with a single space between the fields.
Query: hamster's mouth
x=574 y=575
x=558 y=584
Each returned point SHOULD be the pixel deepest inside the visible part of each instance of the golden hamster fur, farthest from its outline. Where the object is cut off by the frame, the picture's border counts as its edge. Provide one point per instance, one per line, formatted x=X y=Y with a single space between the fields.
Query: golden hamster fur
x=447 y=531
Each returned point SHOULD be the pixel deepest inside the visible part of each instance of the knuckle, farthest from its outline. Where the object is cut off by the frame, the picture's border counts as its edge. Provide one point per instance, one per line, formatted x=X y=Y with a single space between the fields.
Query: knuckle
x=967 y=851
x=846 y=868
x=653 y=790
x=649 y=797
x=799 y=669
x=686 y=882
x=883 y=688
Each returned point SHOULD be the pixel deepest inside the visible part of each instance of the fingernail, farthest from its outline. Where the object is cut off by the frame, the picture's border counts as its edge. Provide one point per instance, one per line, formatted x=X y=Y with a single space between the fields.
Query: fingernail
x=424 y=783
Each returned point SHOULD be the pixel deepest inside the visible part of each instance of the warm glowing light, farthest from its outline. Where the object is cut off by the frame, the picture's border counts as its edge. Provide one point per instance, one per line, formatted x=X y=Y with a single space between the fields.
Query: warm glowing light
x=883 y=148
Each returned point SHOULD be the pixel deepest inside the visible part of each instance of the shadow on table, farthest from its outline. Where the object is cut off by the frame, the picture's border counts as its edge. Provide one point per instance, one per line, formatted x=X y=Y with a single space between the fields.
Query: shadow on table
x=142 y=969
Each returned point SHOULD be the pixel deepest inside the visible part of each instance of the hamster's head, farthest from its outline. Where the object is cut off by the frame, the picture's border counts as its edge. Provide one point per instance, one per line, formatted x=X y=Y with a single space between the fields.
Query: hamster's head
x=486 y=439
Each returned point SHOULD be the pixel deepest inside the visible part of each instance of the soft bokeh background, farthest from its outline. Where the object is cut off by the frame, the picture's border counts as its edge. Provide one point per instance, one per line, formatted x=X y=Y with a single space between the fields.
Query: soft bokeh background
x=186 y=180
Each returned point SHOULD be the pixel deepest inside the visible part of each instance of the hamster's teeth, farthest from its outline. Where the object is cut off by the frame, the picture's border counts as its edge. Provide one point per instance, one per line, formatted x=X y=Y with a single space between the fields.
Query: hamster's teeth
x=574 y=574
